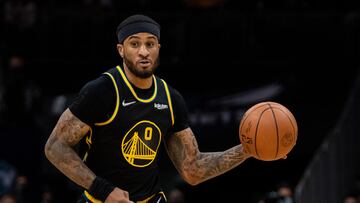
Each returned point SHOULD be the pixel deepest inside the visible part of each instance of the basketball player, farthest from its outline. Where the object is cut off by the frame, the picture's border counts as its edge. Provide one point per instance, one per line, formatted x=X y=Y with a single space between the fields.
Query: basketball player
x=125 y=115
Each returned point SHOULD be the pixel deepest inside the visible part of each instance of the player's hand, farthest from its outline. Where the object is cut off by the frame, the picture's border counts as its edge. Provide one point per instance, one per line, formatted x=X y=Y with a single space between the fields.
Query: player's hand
x=118 y=196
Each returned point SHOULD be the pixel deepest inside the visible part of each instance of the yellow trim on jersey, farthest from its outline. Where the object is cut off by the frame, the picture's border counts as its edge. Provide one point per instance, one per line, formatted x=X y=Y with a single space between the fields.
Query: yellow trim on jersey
x=149 y=198
x=169 y=101
x=117 y=103
x=89 y=143
x=133 y=91
x=91 y=198
x=94 y=200
x=146 y=200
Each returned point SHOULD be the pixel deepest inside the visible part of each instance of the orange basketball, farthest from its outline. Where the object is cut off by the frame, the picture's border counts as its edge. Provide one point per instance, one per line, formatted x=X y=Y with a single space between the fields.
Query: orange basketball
x=268 y=131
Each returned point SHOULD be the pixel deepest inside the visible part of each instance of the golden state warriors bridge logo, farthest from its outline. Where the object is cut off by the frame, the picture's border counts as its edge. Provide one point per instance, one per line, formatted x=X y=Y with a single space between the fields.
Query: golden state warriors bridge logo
x=140 y=144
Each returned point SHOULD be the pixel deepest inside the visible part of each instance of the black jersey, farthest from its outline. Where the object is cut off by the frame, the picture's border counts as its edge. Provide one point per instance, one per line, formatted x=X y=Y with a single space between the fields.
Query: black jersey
x=123 y=147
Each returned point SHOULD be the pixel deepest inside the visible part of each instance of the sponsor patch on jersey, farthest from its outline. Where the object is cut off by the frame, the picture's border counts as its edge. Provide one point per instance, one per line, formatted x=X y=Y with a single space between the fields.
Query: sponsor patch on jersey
x=160 y=106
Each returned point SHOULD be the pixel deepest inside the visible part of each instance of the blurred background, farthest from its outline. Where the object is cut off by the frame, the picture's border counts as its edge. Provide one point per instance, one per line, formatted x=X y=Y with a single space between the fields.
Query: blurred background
x=223 y=56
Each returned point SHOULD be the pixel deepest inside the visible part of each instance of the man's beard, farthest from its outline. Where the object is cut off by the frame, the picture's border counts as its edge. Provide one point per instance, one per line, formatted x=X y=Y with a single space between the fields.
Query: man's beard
x=141 y=73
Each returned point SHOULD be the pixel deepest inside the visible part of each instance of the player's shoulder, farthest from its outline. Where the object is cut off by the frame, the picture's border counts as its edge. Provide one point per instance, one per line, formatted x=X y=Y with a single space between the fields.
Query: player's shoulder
x=102 y=81
x=174 y=93
x=112 y=71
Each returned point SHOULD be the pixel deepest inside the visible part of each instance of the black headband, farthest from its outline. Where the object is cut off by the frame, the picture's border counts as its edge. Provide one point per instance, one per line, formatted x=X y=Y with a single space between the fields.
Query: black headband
x=135 y=24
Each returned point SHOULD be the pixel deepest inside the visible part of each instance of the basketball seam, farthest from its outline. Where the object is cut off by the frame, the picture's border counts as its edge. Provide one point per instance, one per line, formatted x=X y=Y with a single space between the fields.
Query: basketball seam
x=248 y=116
x=292 y=125
x=277 y=132
x=256 y=130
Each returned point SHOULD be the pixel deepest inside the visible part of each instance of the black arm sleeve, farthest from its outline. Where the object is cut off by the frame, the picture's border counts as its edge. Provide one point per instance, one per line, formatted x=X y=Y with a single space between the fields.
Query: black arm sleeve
x=96 y=101
x=181 y=116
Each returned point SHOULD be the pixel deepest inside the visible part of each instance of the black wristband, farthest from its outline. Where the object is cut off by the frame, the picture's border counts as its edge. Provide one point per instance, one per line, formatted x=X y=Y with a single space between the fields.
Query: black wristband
x=100 y=189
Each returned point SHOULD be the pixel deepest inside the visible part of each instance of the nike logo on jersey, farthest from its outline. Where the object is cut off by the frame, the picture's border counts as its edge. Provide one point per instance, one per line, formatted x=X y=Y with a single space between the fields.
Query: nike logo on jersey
x=160 y=106
x=127 y=103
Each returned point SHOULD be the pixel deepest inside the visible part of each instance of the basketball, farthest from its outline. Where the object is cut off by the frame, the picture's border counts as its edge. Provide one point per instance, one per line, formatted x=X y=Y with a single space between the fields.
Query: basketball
x=268 y=131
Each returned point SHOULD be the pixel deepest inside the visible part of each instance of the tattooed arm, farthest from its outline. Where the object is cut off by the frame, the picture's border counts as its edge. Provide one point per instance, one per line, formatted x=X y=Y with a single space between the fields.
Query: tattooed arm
x=58 y=149
x=196 y=167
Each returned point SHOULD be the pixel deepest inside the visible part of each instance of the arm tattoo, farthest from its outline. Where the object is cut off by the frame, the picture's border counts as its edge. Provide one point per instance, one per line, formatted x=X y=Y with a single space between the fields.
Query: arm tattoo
x=68 y=132
x=196 y=166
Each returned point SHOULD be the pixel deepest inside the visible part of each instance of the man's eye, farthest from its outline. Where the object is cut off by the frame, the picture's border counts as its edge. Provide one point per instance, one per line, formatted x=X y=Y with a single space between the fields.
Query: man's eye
x=134 y=44
x=150 y=44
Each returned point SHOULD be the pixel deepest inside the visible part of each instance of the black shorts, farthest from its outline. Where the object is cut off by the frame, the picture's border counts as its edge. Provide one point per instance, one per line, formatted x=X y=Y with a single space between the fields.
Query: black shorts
x=155 y=198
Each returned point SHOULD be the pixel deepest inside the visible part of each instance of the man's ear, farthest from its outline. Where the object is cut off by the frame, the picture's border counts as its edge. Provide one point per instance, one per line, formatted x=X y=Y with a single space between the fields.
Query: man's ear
x=120 y=48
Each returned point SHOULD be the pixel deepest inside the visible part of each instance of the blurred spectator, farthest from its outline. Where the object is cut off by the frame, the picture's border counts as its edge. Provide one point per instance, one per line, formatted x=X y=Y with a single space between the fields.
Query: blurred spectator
x=203 y=3
x=7 y=177
x=176 y=196
x=102 y=3
x=21 y=189
x=8 y=198
x=14 y=89
x=261 y=201
x=19 y=25
x=2 y=89
x=47 y=197
x=353 y=197
x=21 y=94
x=283 y=194
x=20 y=13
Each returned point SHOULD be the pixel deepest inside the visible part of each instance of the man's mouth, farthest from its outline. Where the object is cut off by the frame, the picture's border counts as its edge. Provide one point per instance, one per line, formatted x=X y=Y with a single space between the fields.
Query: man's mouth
x=144 y=63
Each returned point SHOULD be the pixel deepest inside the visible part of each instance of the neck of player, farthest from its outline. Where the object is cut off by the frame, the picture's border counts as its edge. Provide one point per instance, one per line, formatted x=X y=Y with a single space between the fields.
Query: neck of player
x=142 y=83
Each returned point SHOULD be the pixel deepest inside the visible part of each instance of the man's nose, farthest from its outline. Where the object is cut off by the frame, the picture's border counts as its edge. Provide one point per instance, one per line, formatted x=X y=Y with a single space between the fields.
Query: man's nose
x=143 y=51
